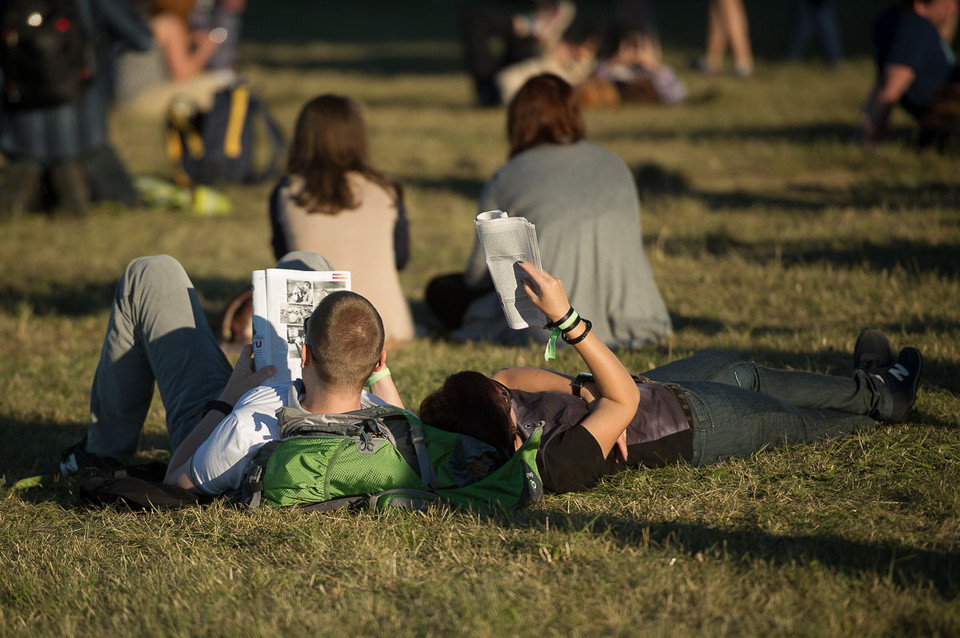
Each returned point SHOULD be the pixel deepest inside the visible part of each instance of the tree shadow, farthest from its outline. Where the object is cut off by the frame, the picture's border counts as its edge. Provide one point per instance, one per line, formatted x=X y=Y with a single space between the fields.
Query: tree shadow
x=88 y=298
x=464 y=186
x=798 y=134
x=655 y=182
x=907 y=567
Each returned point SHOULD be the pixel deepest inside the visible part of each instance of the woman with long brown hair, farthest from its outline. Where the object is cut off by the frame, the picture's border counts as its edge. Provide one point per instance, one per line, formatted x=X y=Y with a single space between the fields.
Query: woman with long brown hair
x=334 y=202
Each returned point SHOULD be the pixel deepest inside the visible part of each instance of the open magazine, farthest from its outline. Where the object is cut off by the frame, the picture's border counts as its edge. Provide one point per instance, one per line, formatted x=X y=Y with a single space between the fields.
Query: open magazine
x=505 y=241
x=282 y=300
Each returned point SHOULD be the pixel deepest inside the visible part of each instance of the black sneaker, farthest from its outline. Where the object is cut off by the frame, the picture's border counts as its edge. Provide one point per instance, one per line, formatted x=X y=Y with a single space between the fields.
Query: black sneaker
x=902 y=378
x=75 y=460
x=872 y=352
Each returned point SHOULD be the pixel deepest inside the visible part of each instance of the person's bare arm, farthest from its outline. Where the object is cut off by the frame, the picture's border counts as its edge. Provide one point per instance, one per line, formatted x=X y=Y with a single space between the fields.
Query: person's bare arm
x=618 y=396
x=896 y=79
x=185 y=53
x=533 y=380
x=243 y=379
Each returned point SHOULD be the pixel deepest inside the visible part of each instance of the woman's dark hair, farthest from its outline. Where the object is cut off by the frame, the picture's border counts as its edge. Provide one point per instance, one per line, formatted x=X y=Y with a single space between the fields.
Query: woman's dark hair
x=471 y=403
x=329 y=141
x=544 y=111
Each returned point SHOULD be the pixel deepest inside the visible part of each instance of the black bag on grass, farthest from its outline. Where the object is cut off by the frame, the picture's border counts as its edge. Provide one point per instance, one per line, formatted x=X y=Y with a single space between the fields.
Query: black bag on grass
x=236 y=141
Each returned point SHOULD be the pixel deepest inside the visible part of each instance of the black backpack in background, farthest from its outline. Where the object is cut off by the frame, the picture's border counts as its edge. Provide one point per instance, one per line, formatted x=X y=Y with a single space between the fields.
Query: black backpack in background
x=46 y=52
x=236 y=141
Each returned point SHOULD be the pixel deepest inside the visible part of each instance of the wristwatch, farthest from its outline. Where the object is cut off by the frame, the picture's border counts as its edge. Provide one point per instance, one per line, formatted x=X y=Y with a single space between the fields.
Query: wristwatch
x=577 y=384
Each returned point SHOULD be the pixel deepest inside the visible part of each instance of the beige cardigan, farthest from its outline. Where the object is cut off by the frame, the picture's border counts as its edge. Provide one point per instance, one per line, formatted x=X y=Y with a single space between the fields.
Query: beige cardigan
x=358 y=240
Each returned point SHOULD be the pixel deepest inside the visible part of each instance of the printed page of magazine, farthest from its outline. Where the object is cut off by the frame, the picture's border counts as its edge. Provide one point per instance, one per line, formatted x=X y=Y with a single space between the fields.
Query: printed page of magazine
x=282 y=301
x=505 y=241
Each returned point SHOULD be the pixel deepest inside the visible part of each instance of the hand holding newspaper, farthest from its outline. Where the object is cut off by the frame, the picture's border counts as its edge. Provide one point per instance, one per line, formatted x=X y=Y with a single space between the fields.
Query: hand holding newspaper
x=282 y=301
x=505 y=241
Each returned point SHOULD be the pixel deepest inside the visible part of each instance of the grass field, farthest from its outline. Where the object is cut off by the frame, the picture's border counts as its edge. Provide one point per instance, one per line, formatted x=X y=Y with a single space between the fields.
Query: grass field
x=771 y=234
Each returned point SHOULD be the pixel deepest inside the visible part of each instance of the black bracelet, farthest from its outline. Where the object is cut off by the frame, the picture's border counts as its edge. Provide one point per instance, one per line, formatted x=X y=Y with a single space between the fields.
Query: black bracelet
x=559 y=322
x=218 y=405
x=582 y=336
x=575 y=323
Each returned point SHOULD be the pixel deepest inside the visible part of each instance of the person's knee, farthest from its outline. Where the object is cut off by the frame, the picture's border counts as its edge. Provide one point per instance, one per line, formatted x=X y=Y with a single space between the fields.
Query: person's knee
x=304 y=260
x=153 y=266
x=145 y=274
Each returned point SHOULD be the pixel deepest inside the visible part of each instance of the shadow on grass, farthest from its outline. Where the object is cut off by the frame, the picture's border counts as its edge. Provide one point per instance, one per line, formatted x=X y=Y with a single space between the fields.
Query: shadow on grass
x=29 y=445
x=82 y=299
x=466 y=187
x=654 y=181
x=907 y=567
x=797 y=134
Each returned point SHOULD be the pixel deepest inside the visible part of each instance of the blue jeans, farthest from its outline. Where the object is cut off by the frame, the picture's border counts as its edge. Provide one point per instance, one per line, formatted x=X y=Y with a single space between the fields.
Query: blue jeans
x=740 y=407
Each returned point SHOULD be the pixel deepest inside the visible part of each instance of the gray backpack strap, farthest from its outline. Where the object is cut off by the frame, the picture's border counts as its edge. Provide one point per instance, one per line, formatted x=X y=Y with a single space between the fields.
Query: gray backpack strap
x=402 y=498
x=427 y=475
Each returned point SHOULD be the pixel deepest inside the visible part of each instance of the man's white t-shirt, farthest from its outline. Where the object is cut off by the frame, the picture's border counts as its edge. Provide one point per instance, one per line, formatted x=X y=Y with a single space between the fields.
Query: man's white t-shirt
x=218 y=464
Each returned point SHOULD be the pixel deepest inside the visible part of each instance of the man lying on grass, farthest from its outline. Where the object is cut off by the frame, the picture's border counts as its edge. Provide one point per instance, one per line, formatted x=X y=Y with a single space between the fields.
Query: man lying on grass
x=216 y=417
x=701 y=409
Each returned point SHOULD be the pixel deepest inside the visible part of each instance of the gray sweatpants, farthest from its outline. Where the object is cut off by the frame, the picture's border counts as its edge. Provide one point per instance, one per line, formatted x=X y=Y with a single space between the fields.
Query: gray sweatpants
x=158 y=335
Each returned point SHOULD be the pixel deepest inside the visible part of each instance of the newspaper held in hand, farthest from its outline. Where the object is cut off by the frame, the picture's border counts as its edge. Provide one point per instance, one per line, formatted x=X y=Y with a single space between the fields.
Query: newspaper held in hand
x=505 y=241
x=282 y=300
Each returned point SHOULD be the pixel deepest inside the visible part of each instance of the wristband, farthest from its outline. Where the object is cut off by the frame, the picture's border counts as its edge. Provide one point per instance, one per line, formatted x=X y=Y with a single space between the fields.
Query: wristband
x=561 y=325
x=218 y=405
x=582 y=336
x=576 y=385
x=378 y=375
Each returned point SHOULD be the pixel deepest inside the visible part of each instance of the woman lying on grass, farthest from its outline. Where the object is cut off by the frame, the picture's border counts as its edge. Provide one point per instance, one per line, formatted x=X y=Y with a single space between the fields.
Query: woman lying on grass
x=708 y=407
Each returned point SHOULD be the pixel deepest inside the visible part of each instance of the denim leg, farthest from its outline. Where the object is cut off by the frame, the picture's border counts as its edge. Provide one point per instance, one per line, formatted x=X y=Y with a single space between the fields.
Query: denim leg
x=734 y=422
x=709 y=365
x=861 y=394
x=829 y=30
x=157 y=333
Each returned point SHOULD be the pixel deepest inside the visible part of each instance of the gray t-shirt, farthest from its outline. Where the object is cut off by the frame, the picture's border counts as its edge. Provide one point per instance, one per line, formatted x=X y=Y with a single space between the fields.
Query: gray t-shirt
x=583 y=200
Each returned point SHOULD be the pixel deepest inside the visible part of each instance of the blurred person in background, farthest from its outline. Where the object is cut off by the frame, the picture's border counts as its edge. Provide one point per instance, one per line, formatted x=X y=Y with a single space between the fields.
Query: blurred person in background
x=914 y=63
x=62 y=150
x=727 y=28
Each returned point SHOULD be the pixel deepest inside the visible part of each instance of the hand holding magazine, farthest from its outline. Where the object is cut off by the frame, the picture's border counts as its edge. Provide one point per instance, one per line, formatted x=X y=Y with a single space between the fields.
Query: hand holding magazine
x=282 y=301
x=505 y=241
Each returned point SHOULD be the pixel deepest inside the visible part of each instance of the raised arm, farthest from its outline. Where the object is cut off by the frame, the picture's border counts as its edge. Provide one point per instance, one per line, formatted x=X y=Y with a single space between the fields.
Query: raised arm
x=617 y=393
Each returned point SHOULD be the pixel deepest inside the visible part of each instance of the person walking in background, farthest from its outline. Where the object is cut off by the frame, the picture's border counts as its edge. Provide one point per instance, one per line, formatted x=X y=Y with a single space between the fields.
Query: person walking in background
x=816 y=18
x=334 y=202
x=727 y=28
x=583 y=201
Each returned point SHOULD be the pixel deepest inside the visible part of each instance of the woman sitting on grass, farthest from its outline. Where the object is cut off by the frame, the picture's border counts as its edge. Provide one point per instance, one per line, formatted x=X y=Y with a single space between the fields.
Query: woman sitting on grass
x=701 y=410
x=583 y=200
x=335 y=203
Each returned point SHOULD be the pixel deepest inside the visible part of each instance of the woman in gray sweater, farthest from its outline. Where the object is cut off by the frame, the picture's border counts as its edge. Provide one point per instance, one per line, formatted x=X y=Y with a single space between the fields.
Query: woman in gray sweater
x=583 y=200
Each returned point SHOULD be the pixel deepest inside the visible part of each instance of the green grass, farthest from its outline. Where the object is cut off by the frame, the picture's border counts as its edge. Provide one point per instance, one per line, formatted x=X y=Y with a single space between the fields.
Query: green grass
x=771 y=235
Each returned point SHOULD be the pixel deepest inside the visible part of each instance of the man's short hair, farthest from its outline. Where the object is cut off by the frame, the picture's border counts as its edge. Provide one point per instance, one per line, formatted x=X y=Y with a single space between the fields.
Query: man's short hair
x=345 y=336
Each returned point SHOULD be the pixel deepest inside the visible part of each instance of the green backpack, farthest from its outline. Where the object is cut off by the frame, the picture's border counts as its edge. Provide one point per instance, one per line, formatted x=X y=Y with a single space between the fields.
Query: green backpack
x=382 y=457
